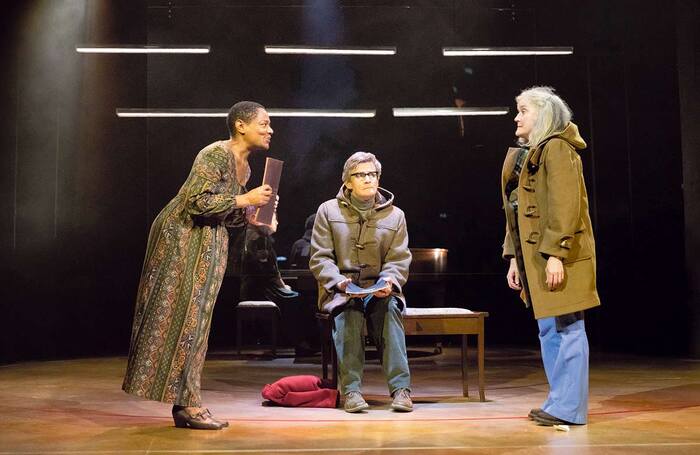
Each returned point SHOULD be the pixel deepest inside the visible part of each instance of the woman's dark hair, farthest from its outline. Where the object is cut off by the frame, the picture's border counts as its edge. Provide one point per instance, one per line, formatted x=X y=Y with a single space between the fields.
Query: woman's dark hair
x=242 y=110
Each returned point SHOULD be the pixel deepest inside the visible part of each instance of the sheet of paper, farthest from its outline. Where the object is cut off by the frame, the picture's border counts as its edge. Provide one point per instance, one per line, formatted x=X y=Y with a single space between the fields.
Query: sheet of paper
x=354 y=289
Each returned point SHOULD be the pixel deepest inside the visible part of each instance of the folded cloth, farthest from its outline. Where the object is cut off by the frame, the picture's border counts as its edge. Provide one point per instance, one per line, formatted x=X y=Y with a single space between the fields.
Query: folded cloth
x=305 y=391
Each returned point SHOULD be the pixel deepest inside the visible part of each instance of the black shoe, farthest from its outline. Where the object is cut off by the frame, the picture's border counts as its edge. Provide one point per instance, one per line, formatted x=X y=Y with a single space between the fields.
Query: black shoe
x=542 y=418
x=284 y=292
x=200 y=421
x=533 y=412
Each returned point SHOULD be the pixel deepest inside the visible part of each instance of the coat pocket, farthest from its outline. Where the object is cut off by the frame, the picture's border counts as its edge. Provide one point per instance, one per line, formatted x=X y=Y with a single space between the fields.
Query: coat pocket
x=385 y=225
x=580 y=248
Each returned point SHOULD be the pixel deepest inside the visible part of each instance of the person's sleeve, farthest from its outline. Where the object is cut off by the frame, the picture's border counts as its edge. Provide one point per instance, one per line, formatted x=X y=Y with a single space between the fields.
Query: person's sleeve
x=398 y=258
x=323 y=262
x=563 y=199
x=508 y=247
x=204 y=195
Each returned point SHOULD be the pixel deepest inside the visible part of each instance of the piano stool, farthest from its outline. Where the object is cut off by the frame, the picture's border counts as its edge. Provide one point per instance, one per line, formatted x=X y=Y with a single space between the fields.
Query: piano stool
x=421 y=321
x=252 y=310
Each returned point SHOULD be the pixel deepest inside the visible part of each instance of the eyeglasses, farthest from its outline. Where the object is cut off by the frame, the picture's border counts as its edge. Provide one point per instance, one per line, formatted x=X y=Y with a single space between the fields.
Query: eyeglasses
x=363 y=175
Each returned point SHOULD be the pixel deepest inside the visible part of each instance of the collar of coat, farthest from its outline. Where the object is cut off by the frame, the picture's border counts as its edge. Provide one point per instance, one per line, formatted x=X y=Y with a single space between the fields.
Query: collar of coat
x=382 y=199
x=569 y=134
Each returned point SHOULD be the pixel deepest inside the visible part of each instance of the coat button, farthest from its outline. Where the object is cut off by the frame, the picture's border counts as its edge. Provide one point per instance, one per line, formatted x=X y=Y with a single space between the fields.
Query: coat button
x=533 y=237
x=531 y=211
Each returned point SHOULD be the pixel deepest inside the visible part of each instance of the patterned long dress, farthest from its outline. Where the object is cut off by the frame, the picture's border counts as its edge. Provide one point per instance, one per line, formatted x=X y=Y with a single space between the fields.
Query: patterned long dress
x=182 y=273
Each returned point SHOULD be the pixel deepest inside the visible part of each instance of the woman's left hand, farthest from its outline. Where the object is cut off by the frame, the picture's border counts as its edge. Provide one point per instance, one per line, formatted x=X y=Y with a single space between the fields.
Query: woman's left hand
x=555 y=272
x=268 y=229
x=275 y=223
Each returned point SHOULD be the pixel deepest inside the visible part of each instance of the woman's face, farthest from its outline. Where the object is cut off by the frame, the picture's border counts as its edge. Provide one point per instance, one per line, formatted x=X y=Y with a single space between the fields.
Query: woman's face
x=363 y=181
x=258 y=133
x=525 y=120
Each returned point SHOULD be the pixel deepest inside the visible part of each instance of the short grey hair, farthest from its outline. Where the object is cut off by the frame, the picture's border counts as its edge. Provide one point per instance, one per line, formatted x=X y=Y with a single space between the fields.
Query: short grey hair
x=553 y=114
x=358 y=158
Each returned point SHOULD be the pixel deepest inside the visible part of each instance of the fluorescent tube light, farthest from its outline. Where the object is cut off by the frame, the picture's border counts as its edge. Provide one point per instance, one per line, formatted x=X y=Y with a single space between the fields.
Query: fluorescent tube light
x=145 y=49
x=349 y=113
x=505 y=51
x=173 y=113
x=447 y=111
x=315 y=50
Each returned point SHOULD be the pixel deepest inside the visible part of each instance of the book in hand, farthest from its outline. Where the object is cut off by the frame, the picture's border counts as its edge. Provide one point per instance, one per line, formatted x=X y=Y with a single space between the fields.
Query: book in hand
x=273 y=172
x=354 y=289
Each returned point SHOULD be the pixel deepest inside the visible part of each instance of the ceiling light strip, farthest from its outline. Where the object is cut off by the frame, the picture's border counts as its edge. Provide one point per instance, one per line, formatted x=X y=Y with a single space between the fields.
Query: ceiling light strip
x=315 y=50
x=447 y=111
x=349 y=113
x=175 y=113
x=505 y=51
x=141 y=49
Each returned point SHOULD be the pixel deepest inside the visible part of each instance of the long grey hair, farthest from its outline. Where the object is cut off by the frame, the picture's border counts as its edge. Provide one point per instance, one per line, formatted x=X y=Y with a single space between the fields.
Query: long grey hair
x=553 y=114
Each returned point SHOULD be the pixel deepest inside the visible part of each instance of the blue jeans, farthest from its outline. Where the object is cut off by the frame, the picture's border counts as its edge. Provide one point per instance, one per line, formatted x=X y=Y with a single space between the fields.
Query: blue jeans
x=565 y=358
x=385 y=328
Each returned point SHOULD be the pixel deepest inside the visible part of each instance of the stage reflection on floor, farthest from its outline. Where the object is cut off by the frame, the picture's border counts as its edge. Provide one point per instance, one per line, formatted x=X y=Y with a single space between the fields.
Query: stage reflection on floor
x=638 y=405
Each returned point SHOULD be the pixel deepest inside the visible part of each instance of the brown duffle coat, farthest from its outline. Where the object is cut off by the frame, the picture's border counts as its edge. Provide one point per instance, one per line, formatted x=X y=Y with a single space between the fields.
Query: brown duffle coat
x=553 y=220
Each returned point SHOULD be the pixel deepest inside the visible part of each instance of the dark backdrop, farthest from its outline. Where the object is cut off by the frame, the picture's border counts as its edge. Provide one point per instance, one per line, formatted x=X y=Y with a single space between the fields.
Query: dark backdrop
x=80 y=186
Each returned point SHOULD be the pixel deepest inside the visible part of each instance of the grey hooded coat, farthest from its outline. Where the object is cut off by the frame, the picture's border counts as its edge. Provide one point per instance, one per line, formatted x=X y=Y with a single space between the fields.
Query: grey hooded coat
x=343 y=245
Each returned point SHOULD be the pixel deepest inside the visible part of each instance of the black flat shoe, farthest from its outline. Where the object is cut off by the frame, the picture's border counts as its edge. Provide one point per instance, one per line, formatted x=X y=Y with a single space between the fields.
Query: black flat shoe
x=272 y=292
x=548 y=420
x=533 y=412
x=201 y=421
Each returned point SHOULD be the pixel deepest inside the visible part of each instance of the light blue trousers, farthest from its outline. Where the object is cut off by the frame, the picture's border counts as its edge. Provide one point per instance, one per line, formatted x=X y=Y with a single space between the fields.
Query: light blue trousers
x=385 y=328
x=565 y=358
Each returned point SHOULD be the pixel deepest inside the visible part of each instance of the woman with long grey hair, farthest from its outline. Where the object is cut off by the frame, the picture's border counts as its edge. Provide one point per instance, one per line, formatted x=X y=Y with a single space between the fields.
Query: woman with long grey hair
x=550 y=247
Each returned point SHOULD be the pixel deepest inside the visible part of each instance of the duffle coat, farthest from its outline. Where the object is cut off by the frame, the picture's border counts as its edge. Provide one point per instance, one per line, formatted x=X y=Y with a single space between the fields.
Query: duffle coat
x=343 y=245
x=553 y=220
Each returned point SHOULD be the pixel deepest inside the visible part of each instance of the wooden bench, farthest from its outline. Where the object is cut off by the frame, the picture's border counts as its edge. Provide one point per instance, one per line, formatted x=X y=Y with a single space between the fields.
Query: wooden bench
x=421 y=321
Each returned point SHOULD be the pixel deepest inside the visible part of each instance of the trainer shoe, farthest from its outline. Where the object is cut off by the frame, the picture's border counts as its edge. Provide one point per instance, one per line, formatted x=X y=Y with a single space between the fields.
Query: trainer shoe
x=354 y=402
x=402 y=401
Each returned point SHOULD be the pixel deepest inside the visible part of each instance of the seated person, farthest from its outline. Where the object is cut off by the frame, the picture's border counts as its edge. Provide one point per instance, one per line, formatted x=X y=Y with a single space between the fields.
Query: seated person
x=261 y=279
x=360 y=237
x=254 y=260
x=301 y=249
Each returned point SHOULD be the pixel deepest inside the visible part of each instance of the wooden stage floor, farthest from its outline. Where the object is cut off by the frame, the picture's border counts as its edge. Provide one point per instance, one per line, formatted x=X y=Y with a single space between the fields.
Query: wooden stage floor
x=637 y=405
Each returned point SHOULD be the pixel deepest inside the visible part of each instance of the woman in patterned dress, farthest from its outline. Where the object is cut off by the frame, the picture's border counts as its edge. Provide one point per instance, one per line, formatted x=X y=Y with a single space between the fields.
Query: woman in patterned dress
x=184 y=267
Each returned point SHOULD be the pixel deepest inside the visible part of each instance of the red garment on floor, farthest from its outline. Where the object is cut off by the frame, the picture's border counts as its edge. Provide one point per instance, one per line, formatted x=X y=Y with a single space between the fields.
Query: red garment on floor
x=301 y=391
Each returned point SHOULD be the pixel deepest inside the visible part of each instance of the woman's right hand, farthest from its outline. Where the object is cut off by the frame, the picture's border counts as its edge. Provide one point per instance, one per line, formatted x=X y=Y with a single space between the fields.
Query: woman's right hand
x=258 y=196
x=513 y=276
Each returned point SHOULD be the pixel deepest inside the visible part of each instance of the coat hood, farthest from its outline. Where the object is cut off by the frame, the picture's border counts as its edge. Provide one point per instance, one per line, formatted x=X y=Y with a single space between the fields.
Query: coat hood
x=382 y=199
x=570 y=134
